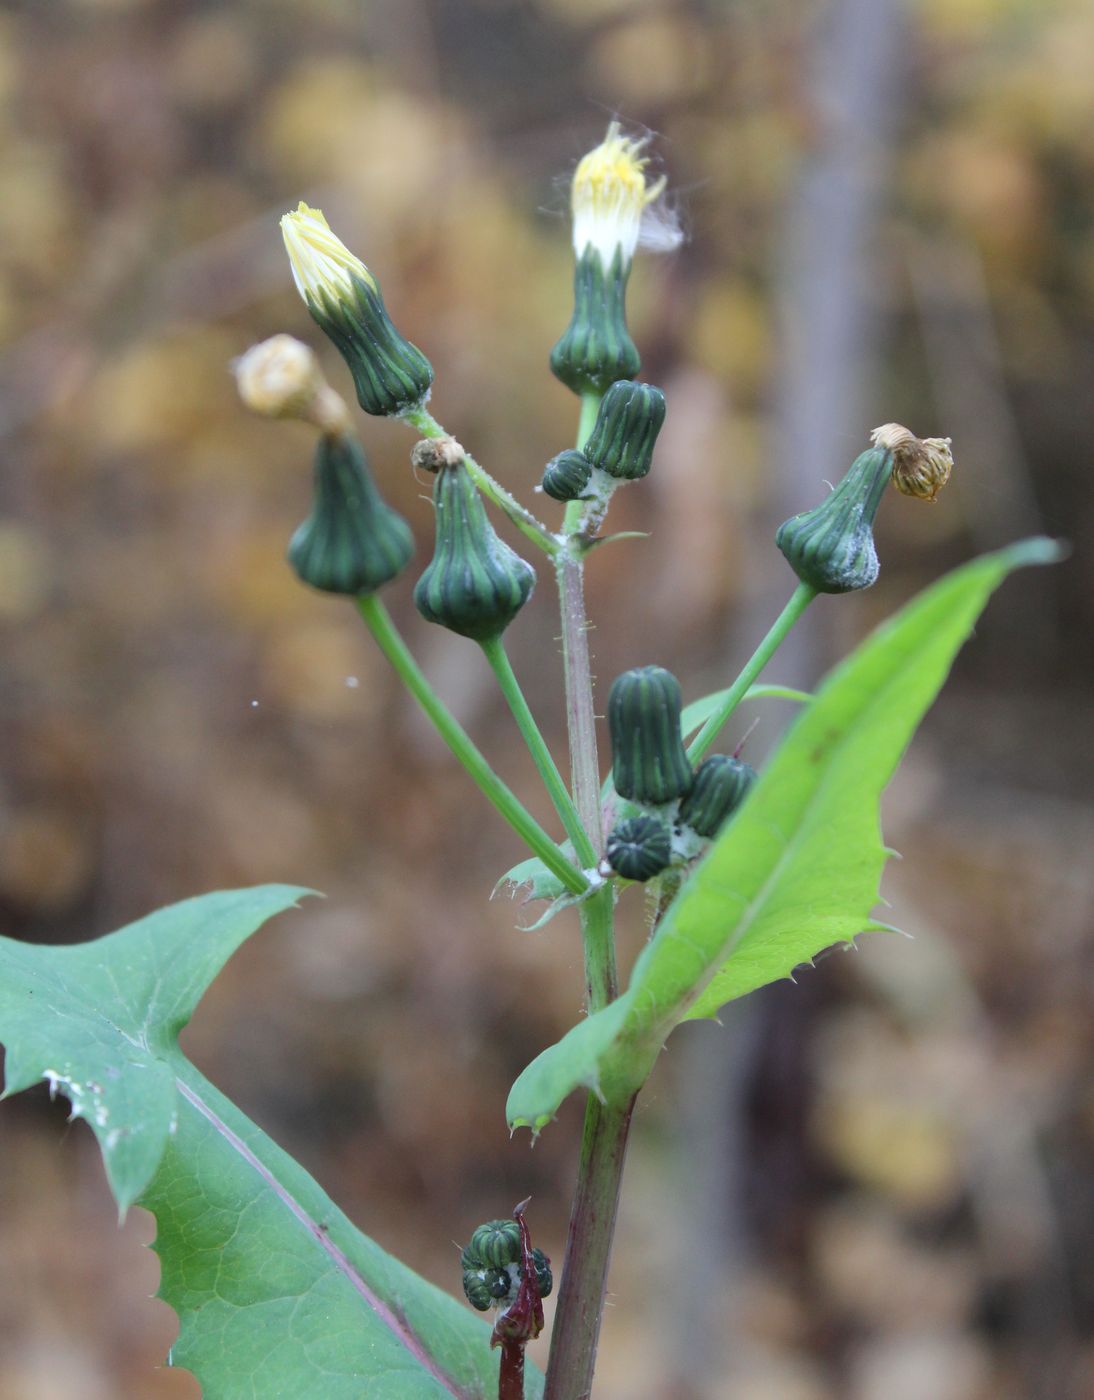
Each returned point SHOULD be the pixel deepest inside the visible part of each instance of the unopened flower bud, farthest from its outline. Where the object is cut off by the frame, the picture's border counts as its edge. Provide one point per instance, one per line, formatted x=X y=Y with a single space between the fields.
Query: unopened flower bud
x=474 y=584
x=390 y=375
x=649 y=762
x=625 y=433
x=566 y=477
x=639 y=847
x=353 y=542
x=721 y=784
x=281 y=378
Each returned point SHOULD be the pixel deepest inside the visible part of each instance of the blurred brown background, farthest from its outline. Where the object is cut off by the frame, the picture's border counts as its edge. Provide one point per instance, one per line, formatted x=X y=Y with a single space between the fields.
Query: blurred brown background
x=873 y=1184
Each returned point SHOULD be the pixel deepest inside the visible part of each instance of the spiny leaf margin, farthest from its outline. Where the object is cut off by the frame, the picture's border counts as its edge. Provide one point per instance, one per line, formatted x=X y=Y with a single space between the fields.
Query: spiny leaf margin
x=798 y=868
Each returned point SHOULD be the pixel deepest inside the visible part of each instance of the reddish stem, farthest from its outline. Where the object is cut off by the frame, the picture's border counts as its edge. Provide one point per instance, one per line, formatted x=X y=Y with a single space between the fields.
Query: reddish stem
x=511 y=1374
x=521 y=1321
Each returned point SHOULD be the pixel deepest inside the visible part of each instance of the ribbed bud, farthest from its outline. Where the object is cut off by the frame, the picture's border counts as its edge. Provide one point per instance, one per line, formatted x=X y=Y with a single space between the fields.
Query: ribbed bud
x=496 y=1243
x=639 y=847
x=566 y=476
x=475 y=584
x=649 y=762
x=596 y=348
x=831 y=548
x=485 y=1287
x=353 y=542
x=627 y=423
x=720 y=785
x=544 y=1278
x=389 y=374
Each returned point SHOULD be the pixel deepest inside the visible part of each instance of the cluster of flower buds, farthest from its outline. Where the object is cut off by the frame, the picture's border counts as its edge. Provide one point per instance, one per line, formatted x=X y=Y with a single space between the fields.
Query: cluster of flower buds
x=492 y=1266
x=619 y=448
x=679 y=808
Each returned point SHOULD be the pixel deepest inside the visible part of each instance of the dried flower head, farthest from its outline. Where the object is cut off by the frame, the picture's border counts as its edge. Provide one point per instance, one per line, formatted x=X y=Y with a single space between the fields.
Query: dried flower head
x=921 y=466
x=615 y=204
x=281 y=378
x=321 y=263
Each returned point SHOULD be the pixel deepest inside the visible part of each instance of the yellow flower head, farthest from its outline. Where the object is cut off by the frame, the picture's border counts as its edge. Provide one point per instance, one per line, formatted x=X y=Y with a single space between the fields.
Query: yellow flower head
x=610 y=196
x=921 y=466
x=320 y=261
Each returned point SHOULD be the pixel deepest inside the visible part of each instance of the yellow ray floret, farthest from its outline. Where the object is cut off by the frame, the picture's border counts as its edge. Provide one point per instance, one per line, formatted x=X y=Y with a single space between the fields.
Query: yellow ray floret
x=320 y=261
x=610 y=193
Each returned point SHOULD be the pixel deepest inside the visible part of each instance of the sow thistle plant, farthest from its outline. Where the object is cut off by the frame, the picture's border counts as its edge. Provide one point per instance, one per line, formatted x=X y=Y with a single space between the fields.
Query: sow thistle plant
x=748 y=875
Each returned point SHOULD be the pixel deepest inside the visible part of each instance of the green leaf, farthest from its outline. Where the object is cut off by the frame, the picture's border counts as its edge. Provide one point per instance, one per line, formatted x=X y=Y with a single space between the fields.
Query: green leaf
x=533 y=877
x=278 y=1295
x=695 y=715
x=798 y=868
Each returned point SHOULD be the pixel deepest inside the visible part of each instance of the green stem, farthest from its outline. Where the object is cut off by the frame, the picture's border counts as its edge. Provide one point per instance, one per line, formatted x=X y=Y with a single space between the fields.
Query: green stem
x=529 y=526
x=604 y=1141
x=557 y=790
x=800 y=599
x=379 y=622
x=590 y=407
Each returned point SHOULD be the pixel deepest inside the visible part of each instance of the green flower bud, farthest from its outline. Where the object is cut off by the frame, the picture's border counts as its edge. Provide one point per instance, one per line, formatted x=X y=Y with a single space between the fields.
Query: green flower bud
x=831 y=548
x=623 y=437
x=475 y=584
x=649 y=762
x=353 y=542
x=720 y=785
x=566 y=476
x=544 y=1278
x=485 y=1287
x=390 y=375
x=639 y=847
x=596 y=348
x=497 y=1243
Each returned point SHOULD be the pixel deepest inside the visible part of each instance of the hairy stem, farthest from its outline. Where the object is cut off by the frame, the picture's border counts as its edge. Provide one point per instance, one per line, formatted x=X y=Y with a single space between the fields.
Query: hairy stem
x=522 y=518
x=379 y=622
x=557 y=790
x=604 y=1140
x=577 y=672
x=588 y=1247
x=800 y=599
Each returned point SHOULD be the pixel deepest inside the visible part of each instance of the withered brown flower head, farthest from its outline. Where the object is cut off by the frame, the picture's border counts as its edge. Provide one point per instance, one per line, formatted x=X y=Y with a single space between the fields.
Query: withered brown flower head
x=921 y=466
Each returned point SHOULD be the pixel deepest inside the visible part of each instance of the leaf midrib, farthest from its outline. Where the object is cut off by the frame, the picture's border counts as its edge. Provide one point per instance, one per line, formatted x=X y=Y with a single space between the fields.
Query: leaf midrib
x=398 y=1326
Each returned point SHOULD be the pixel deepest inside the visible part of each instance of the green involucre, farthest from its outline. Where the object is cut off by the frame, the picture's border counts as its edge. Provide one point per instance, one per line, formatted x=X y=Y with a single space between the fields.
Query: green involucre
x=831 y=548
x=389 y=374
x=353 y=542
x=639 y=847
x=625 y=432
x=475 y=584
x=649 y=762
x=596 y=348
x=566 y=476
x=720 y=785
x=496 y=1243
